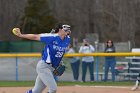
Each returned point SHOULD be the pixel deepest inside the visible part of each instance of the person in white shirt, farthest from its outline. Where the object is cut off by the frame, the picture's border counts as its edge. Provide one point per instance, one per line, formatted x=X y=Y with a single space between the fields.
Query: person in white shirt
x=87 y=61
x=74 y=62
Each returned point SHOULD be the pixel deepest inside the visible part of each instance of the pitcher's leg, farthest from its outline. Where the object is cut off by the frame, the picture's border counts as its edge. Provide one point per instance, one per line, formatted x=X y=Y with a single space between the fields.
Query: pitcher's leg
x=39 y=86
x=47 y=78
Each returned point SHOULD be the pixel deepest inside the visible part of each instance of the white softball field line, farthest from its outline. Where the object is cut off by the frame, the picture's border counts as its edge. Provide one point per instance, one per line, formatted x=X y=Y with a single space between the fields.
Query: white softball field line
x=105 y=86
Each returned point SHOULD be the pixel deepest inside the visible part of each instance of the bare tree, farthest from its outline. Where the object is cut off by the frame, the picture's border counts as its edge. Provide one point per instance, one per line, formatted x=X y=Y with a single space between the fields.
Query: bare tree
x=111 y=19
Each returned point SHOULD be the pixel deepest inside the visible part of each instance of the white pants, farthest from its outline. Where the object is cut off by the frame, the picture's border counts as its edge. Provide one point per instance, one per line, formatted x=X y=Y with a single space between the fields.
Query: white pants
x=44 y=79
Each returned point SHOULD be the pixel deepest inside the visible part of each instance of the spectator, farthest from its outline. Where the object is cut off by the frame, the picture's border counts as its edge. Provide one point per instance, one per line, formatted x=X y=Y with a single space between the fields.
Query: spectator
x=75 y=63
x=87 y=61
x=110 y=61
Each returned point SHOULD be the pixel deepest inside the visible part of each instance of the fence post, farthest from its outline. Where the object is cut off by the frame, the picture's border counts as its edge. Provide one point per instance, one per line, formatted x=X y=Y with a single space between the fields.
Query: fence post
x=97 y=59
x=16 y=68
x=97 y=67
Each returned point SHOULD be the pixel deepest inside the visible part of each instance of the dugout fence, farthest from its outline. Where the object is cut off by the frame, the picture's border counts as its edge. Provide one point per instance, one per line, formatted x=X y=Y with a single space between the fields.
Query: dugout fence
x=22 y=66
x=20 y=46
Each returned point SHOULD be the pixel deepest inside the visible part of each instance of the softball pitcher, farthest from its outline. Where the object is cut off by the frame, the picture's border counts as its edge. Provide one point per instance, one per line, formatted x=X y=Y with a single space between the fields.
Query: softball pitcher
x=55 y=46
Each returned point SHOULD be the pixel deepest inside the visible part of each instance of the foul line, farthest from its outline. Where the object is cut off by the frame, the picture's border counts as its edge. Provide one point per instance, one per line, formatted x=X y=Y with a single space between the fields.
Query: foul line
x=104 y=86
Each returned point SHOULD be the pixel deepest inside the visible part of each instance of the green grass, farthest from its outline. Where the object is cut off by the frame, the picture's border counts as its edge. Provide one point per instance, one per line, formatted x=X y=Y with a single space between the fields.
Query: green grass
x=96 y=83
x=16 y=83
x=31 y=83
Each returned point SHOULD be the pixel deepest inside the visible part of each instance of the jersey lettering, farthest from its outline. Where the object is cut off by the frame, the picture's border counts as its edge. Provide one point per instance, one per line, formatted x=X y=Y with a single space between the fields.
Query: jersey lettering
x=59 y=54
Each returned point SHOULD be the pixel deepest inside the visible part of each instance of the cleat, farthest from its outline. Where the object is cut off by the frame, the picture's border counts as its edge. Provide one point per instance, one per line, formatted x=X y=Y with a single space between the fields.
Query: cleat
x=136 y=86
x=30 y=91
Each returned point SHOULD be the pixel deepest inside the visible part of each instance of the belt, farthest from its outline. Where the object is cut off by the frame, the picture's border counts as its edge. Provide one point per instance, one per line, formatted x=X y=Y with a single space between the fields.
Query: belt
x=49 y=63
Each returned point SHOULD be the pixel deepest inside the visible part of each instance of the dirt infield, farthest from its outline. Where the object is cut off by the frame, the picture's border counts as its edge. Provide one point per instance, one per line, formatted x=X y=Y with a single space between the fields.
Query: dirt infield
x=74 y=89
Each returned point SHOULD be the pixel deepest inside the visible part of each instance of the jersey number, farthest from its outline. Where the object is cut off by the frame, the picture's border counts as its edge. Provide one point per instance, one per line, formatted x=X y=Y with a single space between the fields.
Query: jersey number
x=59 y=54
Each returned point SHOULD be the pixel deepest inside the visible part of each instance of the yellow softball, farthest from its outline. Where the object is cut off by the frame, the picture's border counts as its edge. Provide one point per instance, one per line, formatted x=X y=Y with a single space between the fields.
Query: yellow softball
x=14 y=31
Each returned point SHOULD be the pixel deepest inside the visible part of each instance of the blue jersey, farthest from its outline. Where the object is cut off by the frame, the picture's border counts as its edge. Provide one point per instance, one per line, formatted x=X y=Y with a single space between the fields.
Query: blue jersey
x=54 y=49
